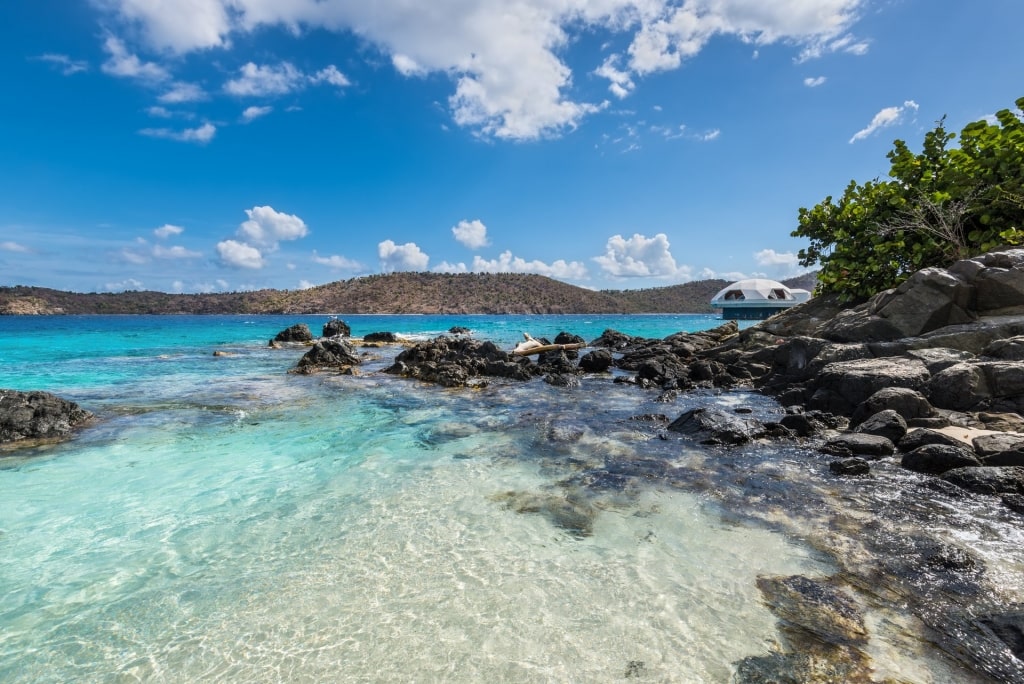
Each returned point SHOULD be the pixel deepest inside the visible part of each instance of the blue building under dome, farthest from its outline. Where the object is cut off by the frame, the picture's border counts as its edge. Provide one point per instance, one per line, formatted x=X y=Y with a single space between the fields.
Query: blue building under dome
x=756 y=299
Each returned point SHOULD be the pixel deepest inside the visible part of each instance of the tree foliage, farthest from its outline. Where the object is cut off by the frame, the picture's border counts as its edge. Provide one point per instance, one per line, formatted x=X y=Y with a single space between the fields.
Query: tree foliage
x=942 y=204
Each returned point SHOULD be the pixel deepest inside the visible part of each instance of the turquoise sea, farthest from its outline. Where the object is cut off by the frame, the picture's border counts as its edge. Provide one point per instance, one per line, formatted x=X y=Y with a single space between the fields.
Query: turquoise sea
x=223 y=520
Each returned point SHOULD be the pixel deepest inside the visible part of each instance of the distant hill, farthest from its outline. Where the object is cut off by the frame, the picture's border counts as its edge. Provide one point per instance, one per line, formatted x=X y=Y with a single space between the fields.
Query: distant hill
x=463 y=293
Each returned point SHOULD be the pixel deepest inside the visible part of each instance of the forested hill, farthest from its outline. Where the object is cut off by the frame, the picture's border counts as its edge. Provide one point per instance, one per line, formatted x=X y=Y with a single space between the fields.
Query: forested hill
x=463 y=293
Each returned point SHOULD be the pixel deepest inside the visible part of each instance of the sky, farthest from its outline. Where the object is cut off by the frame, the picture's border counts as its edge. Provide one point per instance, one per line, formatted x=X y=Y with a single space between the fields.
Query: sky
x=228 y=145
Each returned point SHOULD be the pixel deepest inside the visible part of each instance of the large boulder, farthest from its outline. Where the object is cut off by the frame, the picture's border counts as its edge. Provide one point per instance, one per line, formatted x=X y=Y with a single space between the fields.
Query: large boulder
x=906 y=402
x=336 y=327
x=715 y=426
x=328 y=354
x=844 y=385
x=297 y=333
x=935 y=459
x=960 y=387
x=30 y=416
x=597 y=361
x=986 y=480
x=857 y=444
x=887 y=423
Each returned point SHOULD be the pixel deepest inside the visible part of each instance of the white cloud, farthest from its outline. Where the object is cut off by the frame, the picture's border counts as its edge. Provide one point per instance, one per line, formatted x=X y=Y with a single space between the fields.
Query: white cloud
x=406 y=65
x=258 y=81
x=709 y=274
x=407 y=257
x=239 y=255
x=160 y=112
x=506 y=263
x=337 y=262
x=505 y=60
x=306 y=284
x=202 y=135
x=127 y=65
x=183 y=92
x=890 y=116
x=472 y=234
x=175 y=252
x=10 y=246
x=709 y=135
x=445 y=267
x=331 y=75
x=769 y=257
x=814 y=82
x=128 y=284
x=167 y=230
x=641 y=257
x=133 y=257
x=252 y=113
x=66 y=65
x=266 y=227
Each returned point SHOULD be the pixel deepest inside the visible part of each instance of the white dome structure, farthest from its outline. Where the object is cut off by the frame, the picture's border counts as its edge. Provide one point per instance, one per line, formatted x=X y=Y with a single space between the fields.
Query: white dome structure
x=756 y=299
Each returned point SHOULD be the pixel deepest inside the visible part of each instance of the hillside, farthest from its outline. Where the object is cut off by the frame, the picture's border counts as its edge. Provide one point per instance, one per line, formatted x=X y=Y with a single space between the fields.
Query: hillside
x=464 y=293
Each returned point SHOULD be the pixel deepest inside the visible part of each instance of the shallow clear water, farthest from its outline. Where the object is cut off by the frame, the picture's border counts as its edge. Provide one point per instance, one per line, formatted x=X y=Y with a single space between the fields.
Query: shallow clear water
x=226 y=521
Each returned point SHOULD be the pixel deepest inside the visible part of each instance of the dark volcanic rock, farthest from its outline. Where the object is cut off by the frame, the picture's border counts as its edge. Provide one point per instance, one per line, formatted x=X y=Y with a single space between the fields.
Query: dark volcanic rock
x=562 y=380
x=37 y=416
x=887 y=423
x=613 y=339
x=936 y=459
x=1015 y=502
x=455 y=362
x=568 y=338
x=908 y=403
x=458 y=330
x=385 y=337
x=921 y=436
x=857 y=444
x=850 y=466
x=1010 y=349
x=597 y=361
x=849 y=383
x=336 y=327
x=328 y=354
x=985 y=480
x=1008 y=626
x=715 y=426
x=297 y=333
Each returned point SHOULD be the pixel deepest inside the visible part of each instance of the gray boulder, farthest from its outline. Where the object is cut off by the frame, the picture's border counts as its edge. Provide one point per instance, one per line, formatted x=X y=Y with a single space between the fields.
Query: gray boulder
x=597 y=361
x=887 y=423
x=959 y=388
x=380 y=337
x=906 y=402
x=1011 y=349
x=297 y=333
x=920 y=437
x=850 y=466
x=984 y=480
x=715 y=426
x=846 y=384
x=935 y=459
x=37 y=416
x=328 y=354
x=989 y=445
x=857 y=444
x=336 y=327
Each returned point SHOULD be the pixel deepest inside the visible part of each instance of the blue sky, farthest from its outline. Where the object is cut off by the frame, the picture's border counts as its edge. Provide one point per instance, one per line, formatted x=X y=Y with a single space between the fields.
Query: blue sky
x=221 y=145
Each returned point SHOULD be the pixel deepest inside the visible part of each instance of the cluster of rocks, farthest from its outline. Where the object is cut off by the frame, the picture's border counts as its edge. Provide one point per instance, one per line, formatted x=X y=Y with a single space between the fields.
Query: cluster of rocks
x=34 y=417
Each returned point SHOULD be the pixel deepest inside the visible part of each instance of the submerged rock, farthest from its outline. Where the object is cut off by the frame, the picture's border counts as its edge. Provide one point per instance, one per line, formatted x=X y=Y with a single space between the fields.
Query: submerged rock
x=31 y=416
x=572 y=512
x=715 y=426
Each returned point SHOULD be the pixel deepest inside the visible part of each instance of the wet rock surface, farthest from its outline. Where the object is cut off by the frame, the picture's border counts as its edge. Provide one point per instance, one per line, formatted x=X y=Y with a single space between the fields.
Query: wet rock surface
x=29 y=417
x=299 y=333
x=336 y=327
x=333 y=354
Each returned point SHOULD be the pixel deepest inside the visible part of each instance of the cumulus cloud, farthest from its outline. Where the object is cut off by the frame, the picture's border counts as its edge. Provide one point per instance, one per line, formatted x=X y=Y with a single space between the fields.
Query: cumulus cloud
x=890 y=116
x=506 y=263
x=445 y=267
x=9 y=246
x=769 y=257
x=407 y=257
x=505 y=60
x=306 y=284
x=472 y=234
x=252 y=113
x=337 y=262
x=331 y=75
x=201 y=135
x=167 y=230
x=266 y=227
x=127 y=284
x=125 y=64
x=814 y=82
x=239 y=254
x=65 y=64
x=641 y=257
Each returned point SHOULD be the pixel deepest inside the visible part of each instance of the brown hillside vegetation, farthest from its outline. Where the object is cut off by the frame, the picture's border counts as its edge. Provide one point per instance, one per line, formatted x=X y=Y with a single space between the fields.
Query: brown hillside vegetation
x=419 y=293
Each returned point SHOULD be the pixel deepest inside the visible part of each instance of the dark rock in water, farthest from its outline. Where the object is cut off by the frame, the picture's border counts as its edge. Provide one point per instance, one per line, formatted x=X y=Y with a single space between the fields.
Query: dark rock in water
x=988 y=480
x=572 y=513
x=850 y=466
x=650 y=418
x=814 y=606
x=857 y=444
x=328 y=354
x=715 y=426
x=906 y=402
x=336 y=327
x=297 y=333
x=456 y=362
x=919 y=437
x=381 y=337
x=887 y=423
x=562 y=380
x=635 y=668
x=597 y=361
x=802 y=424
x=458 y=330
x=935 y=459
x=568 y=338
x=37 y=416
x=1015 y=502
x=613 y=339
x=557 y=361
